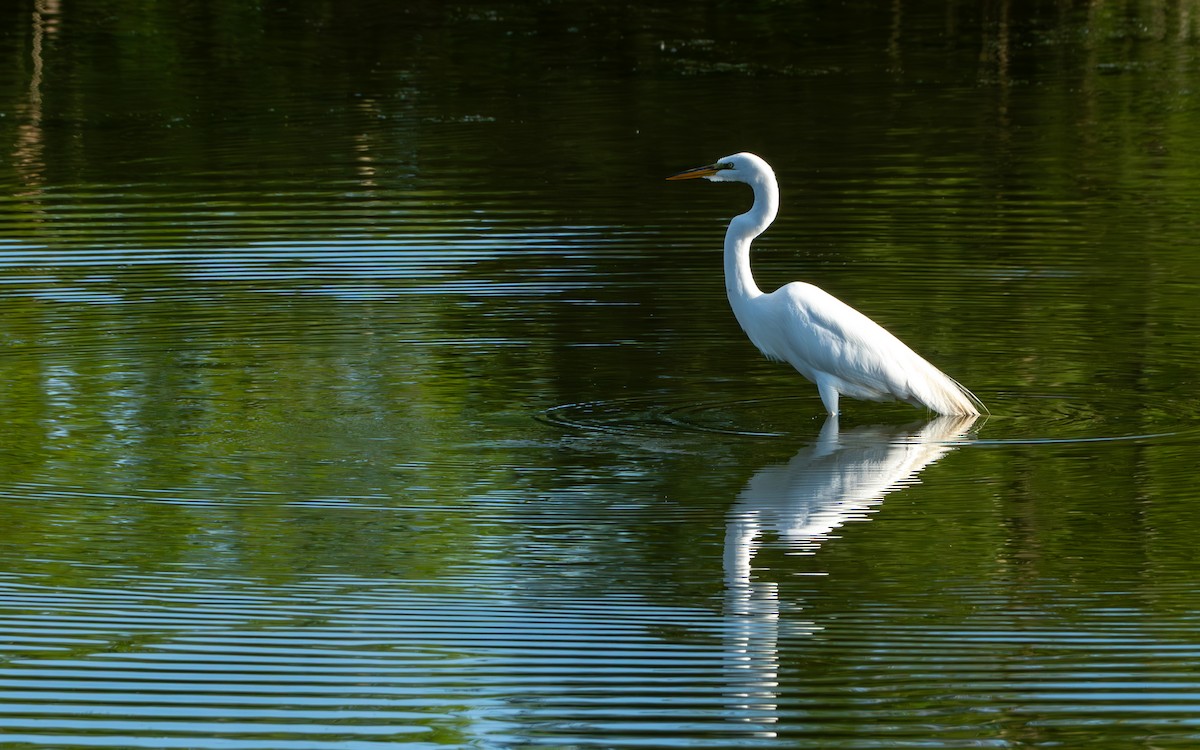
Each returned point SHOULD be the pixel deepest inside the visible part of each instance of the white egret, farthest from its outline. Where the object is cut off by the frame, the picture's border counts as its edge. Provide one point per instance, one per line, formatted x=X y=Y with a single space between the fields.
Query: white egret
x=835 y=346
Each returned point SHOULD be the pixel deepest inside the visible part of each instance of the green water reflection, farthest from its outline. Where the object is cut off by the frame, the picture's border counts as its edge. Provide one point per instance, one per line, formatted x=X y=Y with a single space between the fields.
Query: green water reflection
x=365 y=385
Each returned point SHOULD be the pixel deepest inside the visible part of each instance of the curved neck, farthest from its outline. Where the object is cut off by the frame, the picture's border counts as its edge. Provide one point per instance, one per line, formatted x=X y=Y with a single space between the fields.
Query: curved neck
x=739 y=281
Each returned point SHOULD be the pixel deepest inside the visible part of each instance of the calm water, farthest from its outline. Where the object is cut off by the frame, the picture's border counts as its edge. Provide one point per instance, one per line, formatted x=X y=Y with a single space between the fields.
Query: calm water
x=366 y=386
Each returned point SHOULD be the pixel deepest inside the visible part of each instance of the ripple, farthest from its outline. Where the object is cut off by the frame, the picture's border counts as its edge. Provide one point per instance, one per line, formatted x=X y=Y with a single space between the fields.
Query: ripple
x=1016 y=418
x=380 y=660
x=649 y=415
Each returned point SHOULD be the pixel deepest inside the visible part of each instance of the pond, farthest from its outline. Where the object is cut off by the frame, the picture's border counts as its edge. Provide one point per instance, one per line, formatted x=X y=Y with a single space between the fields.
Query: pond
x=365 y=383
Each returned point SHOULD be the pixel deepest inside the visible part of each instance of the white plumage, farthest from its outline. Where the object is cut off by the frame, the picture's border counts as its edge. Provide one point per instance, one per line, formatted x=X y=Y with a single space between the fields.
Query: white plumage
x=835 y=346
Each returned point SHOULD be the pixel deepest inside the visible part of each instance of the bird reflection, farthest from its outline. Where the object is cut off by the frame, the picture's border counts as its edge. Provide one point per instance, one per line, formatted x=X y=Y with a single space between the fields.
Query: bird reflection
x=839 y=478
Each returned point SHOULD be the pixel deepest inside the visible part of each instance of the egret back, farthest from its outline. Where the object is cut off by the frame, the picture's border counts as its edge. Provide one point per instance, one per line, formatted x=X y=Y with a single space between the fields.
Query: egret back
x=827 y=340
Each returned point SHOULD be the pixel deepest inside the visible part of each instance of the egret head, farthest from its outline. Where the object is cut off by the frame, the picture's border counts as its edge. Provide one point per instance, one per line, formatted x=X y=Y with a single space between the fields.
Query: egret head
x=743 y=167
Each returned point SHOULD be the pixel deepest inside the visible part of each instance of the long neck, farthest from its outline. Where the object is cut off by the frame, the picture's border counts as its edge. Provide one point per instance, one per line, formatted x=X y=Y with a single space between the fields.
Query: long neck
x=739 y=281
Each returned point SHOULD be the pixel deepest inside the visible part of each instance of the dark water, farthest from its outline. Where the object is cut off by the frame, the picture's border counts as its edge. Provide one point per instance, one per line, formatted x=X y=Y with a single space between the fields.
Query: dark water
x=365 y=385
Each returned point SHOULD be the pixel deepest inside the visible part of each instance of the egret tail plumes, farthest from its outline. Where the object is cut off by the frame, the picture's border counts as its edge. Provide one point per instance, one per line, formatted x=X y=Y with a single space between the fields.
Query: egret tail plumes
x=835 y=346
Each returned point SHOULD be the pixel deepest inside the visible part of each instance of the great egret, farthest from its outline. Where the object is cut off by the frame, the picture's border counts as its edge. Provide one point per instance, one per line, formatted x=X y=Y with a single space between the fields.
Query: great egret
x=830 y=343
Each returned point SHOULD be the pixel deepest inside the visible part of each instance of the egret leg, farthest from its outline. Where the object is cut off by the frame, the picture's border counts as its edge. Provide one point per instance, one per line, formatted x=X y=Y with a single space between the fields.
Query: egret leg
x=827 y=439
x=829 y=396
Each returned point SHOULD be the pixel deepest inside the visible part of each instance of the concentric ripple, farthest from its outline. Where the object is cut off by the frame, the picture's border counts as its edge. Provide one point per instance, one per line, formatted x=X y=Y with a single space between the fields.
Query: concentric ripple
x=652 y=415
x=1016 y=418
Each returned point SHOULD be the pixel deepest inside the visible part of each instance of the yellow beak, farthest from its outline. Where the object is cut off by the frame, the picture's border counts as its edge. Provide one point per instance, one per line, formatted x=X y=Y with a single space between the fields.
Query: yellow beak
x=691 y=174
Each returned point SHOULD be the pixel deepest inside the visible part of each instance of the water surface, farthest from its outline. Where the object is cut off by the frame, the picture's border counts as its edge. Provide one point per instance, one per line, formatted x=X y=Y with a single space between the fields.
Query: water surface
x=365 y=384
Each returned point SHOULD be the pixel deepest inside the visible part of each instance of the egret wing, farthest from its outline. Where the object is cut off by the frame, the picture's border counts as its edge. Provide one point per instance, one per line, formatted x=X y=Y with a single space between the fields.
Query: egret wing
x=832 y=338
